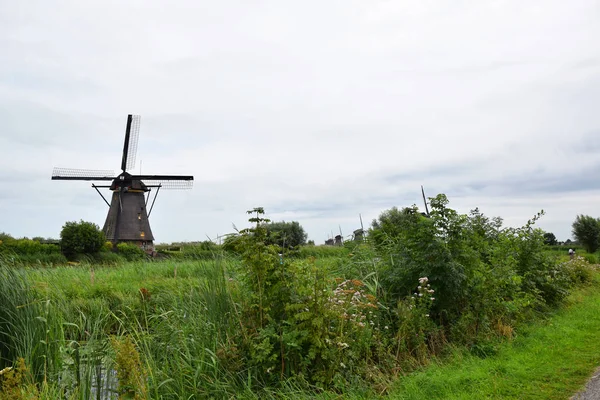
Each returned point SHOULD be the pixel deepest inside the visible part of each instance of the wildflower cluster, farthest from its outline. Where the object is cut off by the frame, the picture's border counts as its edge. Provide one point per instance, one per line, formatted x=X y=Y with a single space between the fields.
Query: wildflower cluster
x=579 y=270
x=353 y=304
x=423 y=297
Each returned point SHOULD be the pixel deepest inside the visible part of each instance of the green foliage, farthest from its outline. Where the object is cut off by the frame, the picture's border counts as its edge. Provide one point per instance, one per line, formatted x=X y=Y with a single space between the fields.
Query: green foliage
x=30 y=252
x=586 y=230
x=579 y=269
x=591 y=258
x=267 y=322
x=232 y=243
x=12 y=381
x=392 y=224
x=286 y=234
x=486 y=278
x=298 y=321
x=550 y=239
x=130 y=251
x=81 y=238
x=415 y=325
x=549 y=360
x=130 y=374
x=305 y=252
x=206 y=250
x=105 y=258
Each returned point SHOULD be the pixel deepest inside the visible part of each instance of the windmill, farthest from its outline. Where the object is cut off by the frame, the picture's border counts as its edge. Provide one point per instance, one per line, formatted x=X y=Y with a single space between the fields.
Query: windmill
x=127 y=218
x=359 y=234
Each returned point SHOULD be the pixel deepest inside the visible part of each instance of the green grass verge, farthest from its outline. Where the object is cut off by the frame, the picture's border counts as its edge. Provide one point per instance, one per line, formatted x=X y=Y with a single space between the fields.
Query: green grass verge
x=550 y=359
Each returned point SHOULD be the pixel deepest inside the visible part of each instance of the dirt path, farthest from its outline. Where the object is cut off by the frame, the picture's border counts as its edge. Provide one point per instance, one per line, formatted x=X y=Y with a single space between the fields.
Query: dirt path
x=592 y=389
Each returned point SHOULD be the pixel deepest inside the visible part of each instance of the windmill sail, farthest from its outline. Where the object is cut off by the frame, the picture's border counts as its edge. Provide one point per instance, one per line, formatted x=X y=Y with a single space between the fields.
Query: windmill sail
x=132 y=135
x=82 y=174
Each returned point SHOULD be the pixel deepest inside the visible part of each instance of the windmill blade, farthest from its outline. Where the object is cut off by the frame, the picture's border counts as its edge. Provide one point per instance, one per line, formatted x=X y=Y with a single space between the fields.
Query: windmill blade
x=424 y=200
x=72 y=174
x=171 y=184
x=163 y=177
x=132 y=135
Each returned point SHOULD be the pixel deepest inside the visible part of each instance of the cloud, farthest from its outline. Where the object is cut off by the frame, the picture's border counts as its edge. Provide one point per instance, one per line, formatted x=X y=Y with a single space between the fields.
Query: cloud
x=316 y=111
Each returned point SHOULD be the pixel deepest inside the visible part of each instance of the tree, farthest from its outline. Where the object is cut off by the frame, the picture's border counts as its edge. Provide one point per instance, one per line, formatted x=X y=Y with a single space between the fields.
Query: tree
x=81 y=238
x=286 y=234
x=550 y=239
x=586 y=230
x=393 y=223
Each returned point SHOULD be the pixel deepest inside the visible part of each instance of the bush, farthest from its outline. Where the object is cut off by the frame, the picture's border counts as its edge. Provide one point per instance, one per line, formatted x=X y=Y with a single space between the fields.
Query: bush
x=130 y=252
x=579 y=270
x=27 y=247
x=81 y=238
x=483 y=276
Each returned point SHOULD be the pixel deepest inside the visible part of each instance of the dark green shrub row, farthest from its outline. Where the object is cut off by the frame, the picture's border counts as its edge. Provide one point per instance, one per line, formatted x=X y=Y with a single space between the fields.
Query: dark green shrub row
x=486 y=278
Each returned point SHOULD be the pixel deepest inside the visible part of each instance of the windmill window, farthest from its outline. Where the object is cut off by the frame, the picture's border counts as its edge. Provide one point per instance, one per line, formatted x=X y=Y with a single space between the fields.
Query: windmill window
x=142 y=234
x=139 y=216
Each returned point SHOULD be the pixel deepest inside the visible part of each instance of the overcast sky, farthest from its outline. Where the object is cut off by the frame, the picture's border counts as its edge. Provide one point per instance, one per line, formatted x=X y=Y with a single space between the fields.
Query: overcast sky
x=315 y=110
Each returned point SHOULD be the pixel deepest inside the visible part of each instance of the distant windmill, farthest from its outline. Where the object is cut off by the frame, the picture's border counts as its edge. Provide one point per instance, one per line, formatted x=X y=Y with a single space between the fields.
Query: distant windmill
x=358 y=234
x=339 y=239
x=127 y=218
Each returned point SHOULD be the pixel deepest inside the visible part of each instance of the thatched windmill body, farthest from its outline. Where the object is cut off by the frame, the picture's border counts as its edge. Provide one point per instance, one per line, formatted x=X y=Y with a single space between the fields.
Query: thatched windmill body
x=127 y=218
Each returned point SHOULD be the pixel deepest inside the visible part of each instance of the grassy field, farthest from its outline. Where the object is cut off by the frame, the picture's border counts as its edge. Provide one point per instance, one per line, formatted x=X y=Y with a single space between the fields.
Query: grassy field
x=549 y=359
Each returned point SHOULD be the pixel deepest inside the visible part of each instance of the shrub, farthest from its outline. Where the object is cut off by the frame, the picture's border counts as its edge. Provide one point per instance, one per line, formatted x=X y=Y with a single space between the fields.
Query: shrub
x=130 y=252
x=81 y=238
x=484 y=276
x=579 y=270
